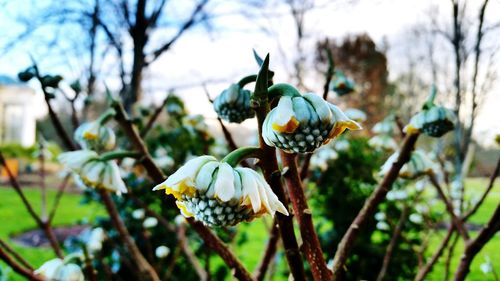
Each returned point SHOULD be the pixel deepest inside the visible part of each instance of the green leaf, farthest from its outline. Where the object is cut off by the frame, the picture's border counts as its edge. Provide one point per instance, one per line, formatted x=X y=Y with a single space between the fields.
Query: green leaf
x=258 y=59
x=262 y=80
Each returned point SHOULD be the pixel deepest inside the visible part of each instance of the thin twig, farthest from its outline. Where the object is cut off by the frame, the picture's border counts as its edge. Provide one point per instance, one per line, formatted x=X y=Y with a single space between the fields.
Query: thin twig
x=18 y=257
x=310 y=241
x=392 y=244
x=153 y=118
x=473 y=247
x=18 y=268
x=370 y=206
x=145 y=269
x=183 y=243
x=449 y=207
x=269 y=252
x=57 y=199
x=491 y=183
x=422 y=273
x=449 y=257
x=45 y=226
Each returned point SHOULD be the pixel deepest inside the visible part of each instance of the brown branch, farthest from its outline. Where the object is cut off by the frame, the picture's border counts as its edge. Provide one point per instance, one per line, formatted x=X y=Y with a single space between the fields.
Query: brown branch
x=449 y=207
x=400 y=125
x=269 y=252
x=370 y=206
x=153 y=118
x=473 y=247
x=41 y=224
x=145 y=269
x=56 y=122
x=272 y=174
x=18 y=257
x=422 y=273
x=392 y=244
x=449 y=257
x=157 y=175
x=57 y=199
x=310 y=241
x=474 y=209
x=17 y=268
x=181 y=236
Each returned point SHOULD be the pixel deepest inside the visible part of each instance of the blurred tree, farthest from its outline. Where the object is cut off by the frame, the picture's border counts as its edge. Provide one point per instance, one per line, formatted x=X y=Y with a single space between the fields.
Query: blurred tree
x=94 y=29
x=359 y=58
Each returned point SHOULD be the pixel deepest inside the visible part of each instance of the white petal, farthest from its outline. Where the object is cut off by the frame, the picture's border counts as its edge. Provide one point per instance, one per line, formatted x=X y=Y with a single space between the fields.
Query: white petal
x=204 y=177
x=249 y=188
x=74 y=160
x=188 y=170
x=320 y=106
x=224 y=183
x=117 y=181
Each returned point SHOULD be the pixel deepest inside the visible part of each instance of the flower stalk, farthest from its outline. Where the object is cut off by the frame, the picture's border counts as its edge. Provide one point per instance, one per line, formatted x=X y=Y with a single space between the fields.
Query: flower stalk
x=242 y=153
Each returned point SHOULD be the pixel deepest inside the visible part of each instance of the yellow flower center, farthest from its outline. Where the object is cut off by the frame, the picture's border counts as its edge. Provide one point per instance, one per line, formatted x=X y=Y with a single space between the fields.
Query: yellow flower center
x=89 y=136
x=289 y=127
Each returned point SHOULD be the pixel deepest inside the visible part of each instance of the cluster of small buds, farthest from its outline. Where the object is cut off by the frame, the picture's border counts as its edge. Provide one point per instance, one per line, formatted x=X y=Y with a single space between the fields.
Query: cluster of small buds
x=434 y=122
x=233 y=104
x=58 y=270
x=93 y=171
x=219 y=195
x=94 y=136
x=418 y=165
x=301 y=124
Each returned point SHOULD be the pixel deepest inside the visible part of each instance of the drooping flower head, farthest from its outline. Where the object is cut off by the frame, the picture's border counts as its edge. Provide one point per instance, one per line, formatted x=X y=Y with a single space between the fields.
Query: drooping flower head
x=93 y=171
x=94 y=136
x=233 y=104
x=418 y=165
x=302 y=123
x=342 y=85
x=219 y=195
x=432 y=120
x=435 y=122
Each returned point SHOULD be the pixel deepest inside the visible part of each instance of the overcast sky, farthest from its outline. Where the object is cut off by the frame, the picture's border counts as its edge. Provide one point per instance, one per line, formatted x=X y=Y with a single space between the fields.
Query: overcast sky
x=227 y=54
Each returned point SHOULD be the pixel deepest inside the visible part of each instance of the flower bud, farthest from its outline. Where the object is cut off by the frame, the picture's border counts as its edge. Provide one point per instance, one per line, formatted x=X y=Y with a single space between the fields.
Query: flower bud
x=94 y=172
x=434 y=121
x=50 y=269
x=94 y=136
x=418 y=165
x=301 y=124
x=70 y=272
x=342 y=85
x=51 y=80
x=26 y=75
x=219 y=195
x=233 y=104
x=162 y=252
x=150 y=222
x=383 y=142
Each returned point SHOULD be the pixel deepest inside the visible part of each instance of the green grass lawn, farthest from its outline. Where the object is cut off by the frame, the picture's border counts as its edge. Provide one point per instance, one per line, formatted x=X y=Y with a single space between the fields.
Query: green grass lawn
x=15 y=219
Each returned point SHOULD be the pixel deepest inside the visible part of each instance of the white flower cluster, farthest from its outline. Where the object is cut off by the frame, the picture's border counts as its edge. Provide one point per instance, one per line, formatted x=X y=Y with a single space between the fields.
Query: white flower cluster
x=218 y=195
x=383 y=138
x=58 y=270
x=94 y=172
x=301 y=124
